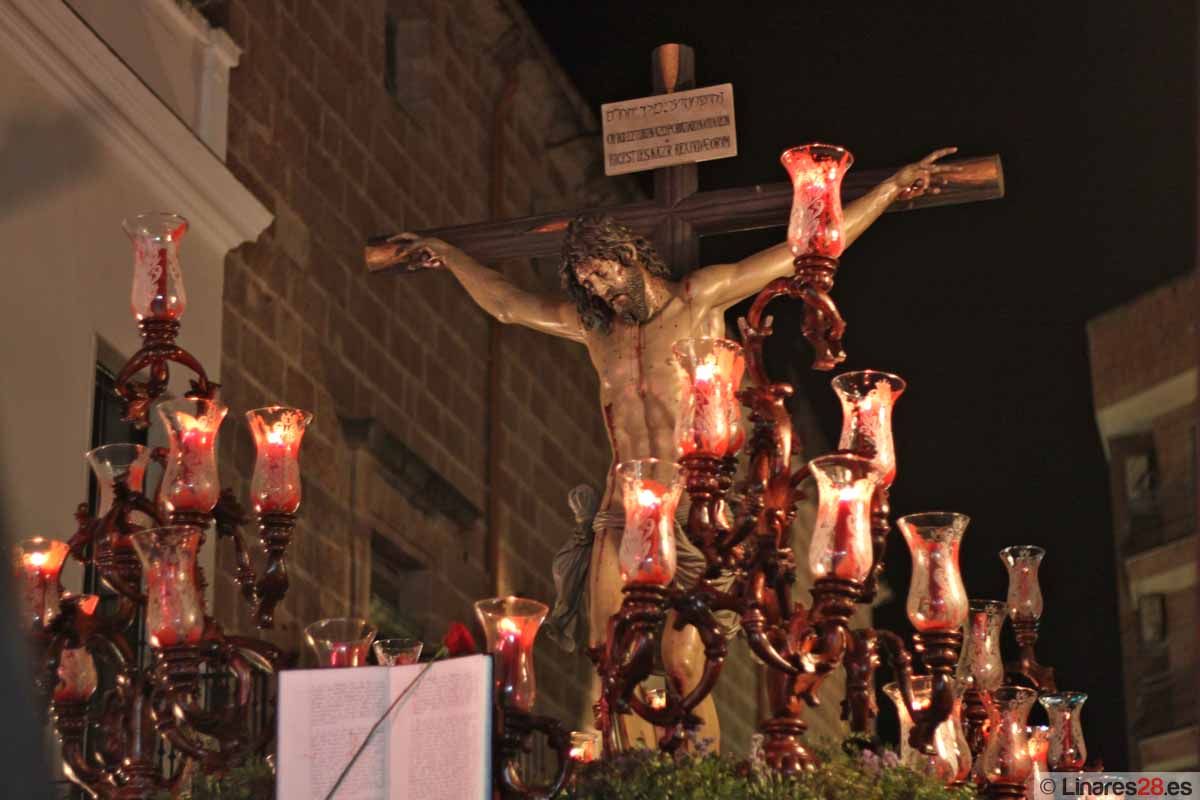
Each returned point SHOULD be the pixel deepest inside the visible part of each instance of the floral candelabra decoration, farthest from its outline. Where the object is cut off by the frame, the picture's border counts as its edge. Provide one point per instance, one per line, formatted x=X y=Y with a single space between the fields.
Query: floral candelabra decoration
x=154 y=539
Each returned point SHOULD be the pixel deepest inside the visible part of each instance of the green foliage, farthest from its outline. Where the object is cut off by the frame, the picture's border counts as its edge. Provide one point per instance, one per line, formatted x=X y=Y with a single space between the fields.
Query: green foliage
x=250 y=780
x=650 y=775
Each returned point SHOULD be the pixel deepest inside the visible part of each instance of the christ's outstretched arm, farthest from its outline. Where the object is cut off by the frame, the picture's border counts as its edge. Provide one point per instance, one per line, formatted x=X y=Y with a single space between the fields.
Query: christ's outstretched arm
x=494 y=293
x=723 y=285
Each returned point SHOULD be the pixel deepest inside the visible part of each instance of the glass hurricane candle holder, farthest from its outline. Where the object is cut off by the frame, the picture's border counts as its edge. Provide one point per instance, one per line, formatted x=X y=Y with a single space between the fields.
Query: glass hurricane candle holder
x=397 y=652
x=190 y=484
x=651 y=490
x=981 y=664
x=1066 y=751
x=950 y=760
x=37 y=564
x=275 y=483
x=511 y=625
x=174 y=604
x=815 y=225
x=710 y=372
x=1024 y=591
x=1006 y=760
x=113 y=462
x=937 y=598
x=157 y=279
x=585 y=746
x=340 y=641
x=841 y=541
x=868 y=398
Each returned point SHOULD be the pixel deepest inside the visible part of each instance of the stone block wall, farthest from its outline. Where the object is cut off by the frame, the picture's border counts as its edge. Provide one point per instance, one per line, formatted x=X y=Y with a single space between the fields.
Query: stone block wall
x=343 y=135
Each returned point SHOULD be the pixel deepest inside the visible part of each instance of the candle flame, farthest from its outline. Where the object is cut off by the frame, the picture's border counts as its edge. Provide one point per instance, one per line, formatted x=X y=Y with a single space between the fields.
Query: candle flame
x=507 y=626
x=276 y=435
x=37 y=559
x=849 y=493
x=648 y=498
x=706 y=371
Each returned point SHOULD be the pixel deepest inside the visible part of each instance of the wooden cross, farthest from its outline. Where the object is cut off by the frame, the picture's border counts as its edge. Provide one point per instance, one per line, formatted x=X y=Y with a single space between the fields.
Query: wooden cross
x=679 y=214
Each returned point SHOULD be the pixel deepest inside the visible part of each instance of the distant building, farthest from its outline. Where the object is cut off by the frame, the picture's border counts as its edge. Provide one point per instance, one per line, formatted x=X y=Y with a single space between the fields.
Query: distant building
x=1144 y=377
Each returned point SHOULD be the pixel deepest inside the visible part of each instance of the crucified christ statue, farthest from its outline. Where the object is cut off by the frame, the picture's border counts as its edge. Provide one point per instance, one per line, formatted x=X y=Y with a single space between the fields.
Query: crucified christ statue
x=622 y=305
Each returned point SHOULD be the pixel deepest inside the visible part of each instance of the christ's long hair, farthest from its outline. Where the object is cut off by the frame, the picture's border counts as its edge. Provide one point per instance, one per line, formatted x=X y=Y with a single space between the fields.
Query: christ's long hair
x=602 y=237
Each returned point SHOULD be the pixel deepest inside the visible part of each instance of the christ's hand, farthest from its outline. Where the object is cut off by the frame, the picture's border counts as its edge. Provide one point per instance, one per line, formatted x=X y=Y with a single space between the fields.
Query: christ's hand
x=924 y=176
x=409 y=251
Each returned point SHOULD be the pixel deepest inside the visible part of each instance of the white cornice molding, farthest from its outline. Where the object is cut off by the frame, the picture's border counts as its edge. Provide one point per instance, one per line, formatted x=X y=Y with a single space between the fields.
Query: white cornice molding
x=64 y=55
x=1136 y=414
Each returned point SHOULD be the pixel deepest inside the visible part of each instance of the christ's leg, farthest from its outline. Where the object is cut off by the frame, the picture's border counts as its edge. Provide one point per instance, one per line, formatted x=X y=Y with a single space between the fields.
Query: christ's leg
x=604 y=600
x=683 y=657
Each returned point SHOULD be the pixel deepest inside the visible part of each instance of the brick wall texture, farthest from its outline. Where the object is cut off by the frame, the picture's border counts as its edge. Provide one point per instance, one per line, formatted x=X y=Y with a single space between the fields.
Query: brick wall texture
x=338 y=157
x=1142 y=343
x=1134 y=348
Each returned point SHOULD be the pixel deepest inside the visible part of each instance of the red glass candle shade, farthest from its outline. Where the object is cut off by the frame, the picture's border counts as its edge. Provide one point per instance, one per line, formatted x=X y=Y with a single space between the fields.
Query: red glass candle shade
x=651 y=490
x=815 y=226
x=841 y=541
x=174 y=604
x=1066 y=750
x=868 y=398
x=190 y=482
x=1024 y=590
x=340 y=641
x=37 y=563
x=980 y=664
x=511 y=625
x=275 y=484
x=951 y=756
x=710 y=372
x=937 y=598
x=113 y=462
x=1006 y=758
x=157 y=279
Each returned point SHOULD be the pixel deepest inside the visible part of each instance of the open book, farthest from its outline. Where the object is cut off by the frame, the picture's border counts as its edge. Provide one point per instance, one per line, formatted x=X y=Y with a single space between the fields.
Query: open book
x=435 y=745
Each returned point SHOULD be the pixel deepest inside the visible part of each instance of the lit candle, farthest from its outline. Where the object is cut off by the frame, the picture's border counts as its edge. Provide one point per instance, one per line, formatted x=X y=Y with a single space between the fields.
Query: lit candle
x=508 y=655
x=710 y=423
x=40 y=561
x=647 y=553
x=190 y=482
x=709 y=373
x=275 y=484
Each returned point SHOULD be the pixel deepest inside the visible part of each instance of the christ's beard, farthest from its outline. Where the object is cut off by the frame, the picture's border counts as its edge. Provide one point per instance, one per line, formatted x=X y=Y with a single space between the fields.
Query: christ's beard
x=637 y=308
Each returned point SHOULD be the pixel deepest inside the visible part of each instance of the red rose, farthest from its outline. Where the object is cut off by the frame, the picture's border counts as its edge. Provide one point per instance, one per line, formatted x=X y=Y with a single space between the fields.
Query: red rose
x=458 y=641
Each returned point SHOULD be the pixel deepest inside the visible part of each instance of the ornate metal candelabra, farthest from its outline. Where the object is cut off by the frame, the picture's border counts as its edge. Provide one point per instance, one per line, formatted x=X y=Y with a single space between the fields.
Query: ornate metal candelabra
x=750 y=569
x=114 y=750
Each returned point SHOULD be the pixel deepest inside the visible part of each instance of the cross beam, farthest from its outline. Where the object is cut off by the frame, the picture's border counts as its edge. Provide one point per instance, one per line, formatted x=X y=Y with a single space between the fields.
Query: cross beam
x=679 y=214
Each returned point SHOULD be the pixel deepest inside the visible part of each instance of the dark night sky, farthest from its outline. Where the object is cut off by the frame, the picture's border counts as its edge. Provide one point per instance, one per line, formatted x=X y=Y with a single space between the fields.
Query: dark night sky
x=980 y=307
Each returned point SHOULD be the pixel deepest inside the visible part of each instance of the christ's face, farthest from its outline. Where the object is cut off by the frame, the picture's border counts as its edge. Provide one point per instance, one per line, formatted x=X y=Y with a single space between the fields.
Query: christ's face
x=622 y=288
